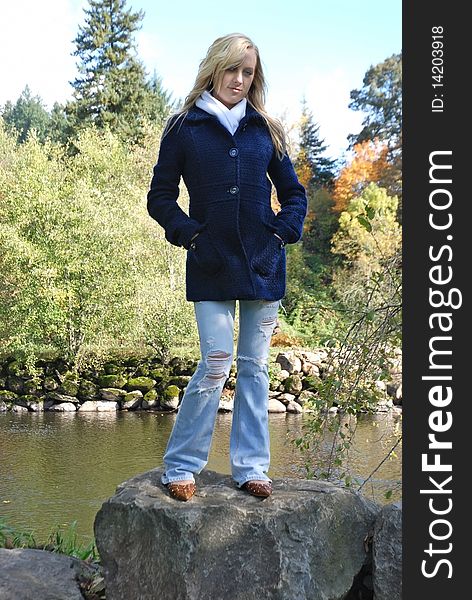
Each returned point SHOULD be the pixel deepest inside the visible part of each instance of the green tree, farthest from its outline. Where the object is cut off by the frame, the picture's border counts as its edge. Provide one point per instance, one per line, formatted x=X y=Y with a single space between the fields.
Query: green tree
x=160 y=100
x=313 y=167
x=79 y=268
x=111 y=89
x=368 y=238
x=322 y=224
x=381 y=99
x=26 y=114
x=60 y=128
x=309 y=302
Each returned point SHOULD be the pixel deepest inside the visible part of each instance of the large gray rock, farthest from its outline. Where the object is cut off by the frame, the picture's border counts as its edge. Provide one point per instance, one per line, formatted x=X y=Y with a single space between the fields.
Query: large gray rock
x=306 y=541
x=275 y=406
x=387 y=553
x=39 y=575
x=289 y=361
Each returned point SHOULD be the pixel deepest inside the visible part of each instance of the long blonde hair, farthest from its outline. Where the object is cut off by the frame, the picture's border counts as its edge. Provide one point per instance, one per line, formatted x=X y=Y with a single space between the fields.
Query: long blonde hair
x=225 y=52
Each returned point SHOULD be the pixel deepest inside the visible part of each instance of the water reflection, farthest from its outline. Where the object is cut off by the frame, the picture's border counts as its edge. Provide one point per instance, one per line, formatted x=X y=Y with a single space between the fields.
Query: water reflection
x=59 y=467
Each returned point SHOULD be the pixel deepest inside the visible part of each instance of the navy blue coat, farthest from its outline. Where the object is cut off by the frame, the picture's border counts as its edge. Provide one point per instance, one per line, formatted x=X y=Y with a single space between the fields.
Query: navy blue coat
x=236 y=254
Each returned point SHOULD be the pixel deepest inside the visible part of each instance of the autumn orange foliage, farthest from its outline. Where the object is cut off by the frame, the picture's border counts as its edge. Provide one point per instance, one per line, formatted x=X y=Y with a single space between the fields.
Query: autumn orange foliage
x=369 y=164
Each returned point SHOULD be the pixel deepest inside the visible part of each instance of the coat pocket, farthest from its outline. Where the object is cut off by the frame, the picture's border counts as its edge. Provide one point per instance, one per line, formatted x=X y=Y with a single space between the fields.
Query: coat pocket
x=205 y=253
x=267 y=254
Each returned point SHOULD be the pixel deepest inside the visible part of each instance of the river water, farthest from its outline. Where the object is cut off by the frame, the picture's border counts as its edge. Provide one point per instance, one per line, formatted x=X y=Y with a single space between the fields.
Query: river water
x=59 y=467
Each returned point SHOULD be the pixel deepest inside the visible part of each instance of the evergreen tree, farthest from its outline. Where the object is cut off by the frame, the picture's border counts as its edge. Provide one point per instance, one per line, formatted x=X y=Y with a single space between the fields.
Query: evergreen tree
x=60 y=128
x=111 y=89
x=26 y=114
x=160 y=100
x=315 y=169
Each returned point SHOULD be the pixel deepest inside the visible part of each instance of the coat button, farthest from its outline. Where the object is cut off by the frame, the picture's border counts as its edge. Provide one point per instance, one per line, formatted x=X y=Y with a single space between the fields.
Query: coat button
x=234 y=189
x=234 y=152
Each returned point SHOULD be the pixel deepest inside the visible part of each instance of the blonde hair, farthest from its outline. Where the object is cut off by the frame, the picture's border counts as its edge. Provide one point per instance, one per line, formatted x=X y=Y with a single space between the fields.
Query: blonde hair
x=226 y=52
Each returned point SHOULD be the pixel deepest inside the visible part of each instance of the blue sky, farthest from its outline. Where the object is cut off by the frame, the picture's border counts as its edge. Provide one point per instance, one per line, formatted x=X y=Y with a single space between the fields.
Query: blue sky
x=317 y=49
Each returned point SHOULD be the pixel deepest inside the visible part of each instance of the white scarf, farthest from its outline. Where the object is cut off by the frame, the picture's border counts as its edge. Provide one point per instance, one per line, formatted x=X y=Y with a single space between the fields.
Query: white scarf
x=228 y=117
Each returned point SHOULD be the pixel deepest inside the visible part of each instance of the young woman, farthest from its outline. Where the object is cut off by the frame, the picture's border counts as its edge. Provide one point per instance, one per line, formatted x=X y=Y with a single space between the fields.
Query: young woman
x=224 y=144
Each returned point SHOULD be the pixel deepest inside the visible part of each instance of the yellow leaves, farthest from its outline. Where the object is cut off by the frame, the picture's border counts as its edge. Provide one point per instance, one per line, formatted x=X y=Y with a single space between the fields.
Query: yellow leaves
x=303 y=169
x=378 y=242
x=369 y=164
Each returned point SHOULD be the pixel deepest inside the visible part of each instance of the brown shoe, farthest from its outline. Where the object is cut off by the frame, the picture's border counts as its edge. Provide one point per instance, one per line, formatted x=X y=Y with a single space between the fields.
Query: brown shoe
x=258 y=489
x=181 y=491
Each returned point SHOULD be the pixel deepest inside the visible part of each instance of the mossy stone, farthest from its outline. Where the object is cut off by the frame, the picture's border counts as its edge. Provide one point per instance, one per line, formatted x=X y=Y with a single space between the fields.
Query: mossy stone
x=171 y=392
x=293 y=384
x=181 y=381
x=158 y=374
x=115 y=381
x=68 y=387
x=134 y=395
x=147 y=404
x=8 y=396
x=70 y=375
x=50 y=384
x=161 y=386
x=32 y=385
x=87 y=389
x=132 y=400
x=150 y=396
x=181 y=366
x=143 y=384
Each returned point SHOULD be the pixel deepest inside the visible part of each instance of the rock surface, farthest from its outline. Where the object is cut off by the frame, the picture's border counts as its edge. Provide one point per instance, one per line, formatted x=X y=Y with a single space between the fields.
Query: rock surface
x=305 y=541
x=387 y=553
x=27 y=574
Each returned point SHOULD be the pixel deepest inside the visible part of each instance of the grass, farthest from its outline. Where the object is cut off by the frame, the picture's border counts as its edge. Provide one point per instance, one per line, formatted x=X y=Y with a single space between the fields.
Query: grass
x=63 y=540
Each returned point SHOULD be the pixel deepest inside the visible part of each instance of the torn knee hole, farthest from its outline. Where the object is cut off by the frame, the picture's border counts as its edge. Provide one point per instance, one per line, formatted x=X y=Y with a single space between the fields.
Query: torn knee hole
x=217 y=360
x=217 y=371
x=218 y=354
x=267 y=326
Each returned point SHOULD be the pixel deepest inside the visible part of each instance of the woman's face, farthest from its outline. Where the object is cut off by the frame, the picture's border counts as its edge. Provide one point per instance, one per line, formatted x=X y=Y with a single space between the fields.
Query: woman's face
x=237 y=80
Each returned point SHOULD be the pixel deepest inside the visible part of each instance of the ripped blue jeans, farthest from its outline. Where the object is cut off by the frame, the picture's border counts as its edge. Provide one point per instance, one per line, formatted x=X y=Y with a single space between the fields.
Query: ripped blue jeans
x=189 y=444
